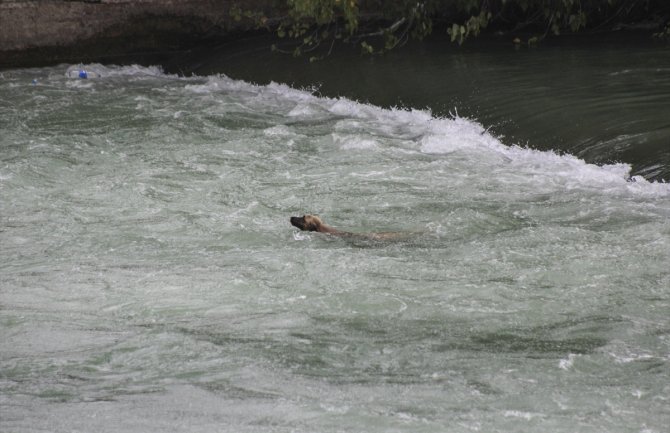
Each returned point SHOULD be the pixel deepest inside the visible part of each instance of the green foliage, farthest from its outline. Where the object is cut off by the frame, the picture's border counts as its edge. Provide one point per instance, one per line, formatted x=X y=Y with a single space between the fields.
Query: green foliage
x=304 y=15
x=663 y=34
x=544 y=17
x=311 y=22
x=472 y=26
x=258 y=18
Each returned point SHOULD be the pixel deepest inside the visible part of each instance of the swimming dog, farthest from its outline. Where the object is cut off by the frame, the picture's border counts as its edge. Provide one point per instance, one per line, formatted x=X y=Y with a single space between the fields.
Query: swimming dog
x=313 y=223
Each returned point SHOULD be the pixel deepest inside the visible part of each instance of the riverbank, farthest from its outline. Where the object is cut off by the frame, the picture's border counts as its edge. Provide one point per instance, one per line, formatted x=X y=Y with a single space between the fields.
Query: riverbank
x=43 y=32
x=47 y=32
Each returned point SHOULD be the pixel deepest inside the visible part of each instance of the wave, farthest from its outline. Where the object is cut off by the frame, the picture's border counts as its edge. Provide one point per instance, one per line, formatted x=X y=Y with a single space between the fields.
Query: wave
x=96 y=70
x=359 y=126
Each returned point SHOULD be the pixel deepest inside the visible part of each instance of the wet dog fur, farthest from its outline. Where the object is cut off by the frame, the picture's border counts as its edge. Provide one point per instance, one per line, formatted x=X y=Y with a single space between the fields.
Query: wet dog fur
x=313 y=223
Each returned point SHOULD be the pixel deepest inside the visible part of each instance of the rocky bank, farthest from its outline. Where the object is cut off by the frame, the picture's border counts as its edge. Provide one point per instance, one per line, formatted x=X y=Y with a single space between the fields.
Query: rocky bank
x=42 y=32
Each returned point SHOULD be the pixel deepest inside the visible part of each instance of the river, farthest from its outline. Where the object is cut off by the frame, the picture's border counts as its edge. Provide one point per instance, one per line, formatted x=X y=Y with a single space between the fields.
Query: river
x=601 y=98
x=150 y=280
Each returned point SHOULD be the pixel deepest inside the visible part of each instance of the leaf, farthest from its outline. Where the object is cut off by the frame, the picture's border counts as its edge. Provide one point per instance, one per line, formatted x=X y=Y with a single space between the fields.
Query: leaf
x=366 y=48
x=453 y=31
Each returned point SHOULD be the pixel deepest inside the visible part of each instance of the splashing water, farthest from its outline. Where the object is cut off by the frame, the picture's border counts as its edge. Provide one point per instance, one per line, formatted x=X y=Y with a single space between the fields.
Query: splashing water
x=151 y=280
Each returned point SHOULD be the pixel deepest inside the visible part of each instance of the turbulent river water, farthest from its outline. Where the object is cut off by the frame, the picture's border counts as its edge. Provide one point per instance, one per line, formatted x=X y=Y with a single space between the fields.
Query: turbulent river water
x=150 y=280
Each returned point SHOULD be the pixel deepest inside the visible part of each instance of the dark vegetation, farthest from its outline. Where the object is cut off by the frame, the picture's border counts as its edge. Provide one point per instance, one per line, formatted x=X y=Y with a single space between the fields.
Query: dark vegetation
x=154 y=31
x=314 y=26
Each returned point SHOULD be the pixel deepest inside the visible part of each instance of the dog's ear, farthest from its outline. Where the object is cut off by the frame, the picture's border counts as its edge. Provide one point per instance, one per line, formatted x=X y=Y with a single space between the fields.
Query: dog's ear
x=312 y=223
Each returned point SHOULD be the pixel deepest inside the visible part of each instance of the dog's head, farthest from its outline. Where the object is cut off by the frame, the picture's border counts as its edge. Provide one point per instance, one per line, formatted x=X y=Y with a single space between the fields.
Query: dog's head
x=310 y=223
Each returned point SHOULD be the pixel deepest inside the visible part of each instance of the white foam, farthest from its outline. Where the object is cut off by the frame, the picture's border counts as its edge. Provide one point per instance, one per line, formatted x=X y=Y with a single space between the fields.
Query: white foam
x=445 y=136
x=277 y=131
x=421 y=132
x=351 y=142
x=79 y=84
x=96 y=70
x=567 y=363
x=304 y=111
x=631 y=357
x=520 y=414
x=348 y=108
x=301 y=236
x=445 y=143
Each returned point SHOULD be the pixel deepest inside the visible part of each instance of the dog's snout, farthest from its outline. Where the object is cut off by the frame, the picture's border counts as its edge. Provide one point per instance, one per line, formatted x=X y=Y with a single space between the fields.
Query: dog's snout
x=298 y=222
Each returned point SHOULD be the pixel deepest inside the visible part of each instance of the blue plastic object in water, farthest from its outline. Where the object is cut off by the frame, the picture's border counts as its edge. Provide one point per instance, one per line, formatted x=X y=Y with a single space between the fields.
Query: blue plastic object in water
x=83 y=74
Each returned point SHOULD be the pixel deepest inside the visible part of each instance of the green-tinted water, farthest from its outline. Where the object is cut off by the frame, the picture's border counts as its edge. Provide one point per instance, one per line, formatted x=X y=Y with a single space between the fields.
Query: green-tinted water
x=603 y=99
x=150 y=279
